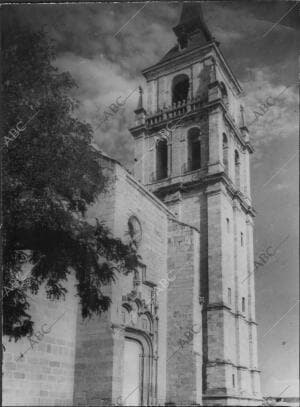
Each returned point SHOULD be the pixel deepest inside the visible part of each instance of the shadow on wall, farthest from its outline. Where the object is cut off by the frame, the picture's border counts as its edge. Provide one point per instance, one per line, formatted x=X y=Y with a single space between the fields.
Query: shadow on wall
x=204 y=80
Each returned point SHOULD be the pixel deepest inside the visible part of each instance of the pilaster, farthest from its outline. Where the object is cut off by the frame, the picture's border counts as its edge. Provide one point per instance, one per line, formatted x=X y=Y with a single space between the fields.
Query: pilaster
x=215 y=140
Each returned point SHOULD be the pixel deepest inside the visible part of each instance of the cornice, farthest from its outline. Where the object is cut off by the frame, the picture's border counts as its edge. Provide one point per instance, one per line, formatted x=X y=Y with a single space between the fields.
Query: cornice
x=184 y=224
x=228 y=396
x=226 y=362
x=205 y=181
x=154 y=69
x=204 y=109
x=237 y=132
x=223 y=306
x=138 y=129
x=227 y=68
x=223 y=362
x=217 y=306
x=232 y=191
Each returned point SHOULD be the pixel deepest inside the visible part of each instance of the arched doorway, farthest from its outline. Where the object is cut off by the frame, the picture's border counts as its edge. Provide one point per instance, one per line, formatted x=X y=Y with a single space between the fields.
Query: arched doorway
x=133 y=373
x=138 y=364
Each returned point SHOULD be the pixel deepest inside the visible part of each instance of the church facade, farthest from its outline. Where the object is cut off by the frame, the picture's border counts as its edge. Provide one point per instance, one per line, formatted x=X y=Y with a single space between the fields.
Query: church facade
x=182 y=329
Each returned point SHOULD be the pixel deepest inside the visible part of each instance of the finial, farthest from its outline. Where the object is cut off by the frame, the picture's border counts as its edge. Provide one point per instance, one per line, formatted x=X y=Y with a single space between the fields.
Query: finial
x=243 y=123
x=140 y=102
x=140 y=107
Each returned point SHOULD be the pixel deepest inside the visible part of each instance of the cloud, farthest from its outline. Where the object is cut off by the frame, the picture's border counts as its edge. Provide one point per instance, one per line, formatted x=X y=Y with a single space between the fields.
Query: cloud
x=101 y=84
x=281 y=187
x=271 y=109
x=106 y=65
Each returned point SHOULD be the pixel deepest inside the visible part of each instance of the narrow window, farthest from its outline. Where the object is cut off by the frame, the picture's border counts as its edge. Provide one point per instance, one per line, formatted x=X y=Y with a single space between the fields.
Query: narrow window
x=225 y=152
x=227 y=225
x=243 y=304
x=237 y=168
x=242 y=239
x=180 y=88
x=162 y=159
x=194 y=149
x=233 y=380
x=229 y=296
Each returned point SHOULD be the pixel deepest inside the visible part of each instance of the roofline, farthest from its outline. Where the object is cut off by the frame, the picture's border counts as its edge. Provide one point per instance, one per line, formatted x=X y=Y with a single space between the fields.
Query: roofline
x=140 y=186
x=166 y=62
x=226 y=66
x=213 y=45
x=185 y=224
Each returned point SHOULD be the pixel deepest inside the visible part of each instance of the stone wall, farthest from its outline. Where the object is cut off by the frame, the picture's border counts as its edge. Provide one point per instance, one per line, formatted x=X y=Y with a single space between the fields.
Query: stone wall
x=100 y=341
x=184 y=355
x=94 y=361
x=44 y=375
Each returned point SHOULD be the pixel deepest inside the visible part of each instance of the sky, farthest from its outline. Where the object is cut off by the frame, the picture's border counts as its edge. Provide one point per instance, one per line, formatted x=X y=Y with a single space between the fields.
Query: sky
x=105 y=47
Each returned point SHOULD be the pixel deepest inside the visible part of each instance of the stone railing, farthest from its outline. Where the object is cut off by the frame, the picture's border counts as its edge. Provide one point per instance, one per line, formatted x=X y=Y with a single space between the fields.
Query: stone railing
x=171 y=112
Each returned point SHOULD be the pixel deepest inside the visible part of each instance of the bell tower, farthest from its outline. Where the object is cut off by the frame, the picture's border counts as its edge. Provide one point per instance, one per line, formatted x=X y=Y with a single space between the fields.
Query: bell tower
x=192 y=150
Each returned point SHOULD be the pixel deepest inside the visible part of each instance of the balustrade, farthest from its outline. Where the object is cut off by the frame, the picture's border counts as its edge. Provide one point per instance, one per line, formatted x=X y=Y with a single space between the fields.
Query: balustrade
x=176 y=110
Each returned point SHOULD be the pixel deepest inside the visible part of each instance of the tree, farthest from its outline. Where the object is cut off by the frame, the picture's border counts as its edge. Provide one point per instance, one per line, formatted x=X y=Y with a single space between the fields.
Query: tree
x=51 y=174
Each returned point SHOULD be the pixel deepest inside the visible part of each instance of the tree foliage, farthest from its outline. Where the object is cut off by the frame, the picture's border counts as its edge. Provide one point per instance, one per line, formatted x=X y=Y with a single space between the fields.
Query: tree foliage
x=51 y=174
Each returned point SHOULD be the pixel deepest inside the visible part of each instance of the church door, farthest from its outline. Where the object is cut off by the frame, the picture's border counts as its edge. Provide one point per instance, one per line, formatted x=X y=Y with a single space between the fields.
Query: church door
x=132 y=377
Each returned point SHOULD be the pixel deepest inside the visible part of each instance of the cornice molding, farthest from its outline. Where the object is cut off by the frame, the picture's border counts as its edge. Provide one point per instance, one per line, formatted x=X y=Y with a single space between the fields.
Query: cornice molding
x=228 y=396
x=206 y=109
x=226 y=307
x=153 y=71
x=204 y=182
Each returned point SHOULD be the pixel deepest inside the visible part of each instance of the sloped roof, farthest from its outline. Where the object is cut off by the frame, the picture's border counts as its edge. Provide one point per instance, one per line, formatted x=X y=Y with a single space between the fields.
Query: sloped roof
x=192 y=25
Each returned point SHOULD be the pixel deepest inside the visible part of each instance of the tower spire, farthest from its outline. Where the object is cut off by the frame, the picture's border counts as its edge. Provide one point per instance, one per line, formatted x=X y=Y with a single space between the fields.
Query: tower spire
x=191 y=23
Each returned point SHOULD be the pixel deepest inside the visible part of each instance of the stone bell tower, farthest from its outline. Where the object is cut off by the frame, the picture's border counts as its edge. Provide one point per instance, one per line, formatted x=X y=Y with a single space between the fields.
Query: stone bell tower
x=192 y=150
